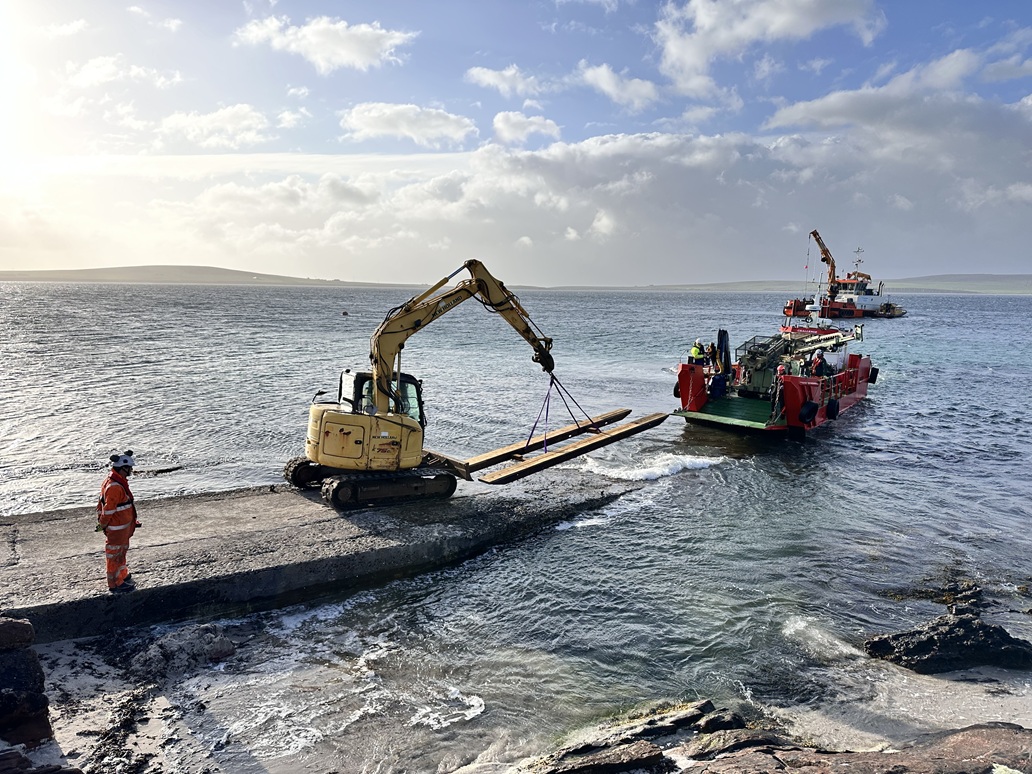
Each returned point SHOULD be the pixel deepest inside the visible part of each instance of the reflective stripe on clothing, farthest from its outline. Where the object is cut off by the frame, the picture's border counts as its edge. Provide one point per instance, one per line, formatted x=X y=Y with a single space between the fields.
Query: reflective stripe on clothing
x=115 y=509
x=114 y=555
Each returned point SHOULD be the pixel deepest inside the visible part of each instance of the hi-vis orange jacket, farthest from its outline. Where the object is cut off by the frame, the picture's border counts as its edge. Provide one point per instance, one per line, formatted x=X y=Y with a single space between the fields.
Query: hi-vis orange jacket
x=115 y=510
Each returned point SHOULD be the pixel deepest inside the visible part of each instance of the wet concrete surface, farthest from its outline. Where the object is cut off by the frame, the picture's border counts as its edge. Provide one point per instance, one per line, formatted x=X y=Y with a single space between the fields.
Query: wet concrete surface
x=227 y=553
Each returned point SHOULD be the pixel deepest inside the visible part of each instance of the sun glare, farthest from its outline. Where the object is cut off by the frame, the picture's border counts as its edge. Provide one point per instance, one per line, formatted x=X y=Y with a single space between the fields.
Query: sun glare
x=17 y=95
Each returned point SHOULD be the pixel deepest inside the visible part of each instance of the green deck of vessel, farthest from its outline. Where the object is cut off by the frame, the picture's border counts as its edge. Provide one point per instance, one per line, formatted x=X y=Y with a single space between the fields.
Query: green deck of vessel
x=741 y=412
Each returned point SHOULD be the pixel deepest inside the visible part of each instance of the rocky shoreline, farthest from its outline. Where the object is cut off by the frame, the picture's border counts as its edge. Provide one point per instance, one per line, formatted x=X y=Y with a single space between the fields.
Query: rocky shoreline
x=700 y=738
x=108 y=702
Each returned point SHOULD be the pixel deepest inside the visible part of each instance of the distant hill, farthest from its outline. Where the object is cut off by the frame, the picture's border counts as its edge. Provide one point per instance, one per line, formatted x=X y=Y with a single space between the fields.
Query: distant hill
x=170 y=275
x=1020 y=284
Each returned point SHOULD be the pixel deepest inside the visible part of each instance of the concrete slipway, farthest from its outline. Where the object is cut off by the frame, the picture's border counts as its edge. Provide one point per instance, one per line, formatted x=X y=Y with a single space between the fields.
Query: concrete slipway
x=226 y=553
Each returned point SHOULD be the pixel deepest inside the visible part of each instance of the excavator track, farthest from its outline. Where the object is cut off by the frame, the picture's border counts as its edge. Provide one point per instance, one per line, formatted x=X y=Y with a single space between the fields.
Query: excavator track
x=358 y=490
x=305 y=474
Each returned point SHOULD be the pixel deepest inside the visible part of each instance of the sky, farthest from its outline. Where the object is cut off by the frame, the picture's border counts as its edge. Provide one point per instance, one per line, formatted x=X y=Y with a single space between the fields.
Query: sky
x=588 y=142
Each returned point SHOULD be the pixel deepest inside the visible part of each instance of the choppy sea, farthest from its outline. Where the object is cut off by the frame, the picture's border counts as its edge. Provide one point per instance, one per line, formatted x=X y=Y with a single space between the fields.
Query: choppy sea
x=743 y=570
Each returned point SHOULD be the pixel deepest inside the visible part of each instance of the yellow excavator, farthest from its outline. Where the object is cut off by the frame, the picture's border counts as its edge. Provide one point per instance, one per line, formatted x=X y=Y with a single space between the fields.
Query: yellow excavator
x=366 y=446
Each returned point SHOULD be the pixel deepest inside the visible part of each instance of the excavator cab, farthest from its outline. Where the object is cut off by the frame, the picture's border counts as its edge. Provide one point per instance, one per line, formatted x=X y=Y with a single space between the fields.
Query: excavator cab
x=357 y=391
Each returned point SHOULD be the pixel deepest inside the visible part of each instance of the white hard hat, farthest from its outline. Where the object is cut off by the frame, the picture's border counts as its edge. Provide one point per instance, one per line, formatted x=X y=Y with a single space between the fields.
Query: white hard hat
x=819 y=352
x=698 y=342
x=123 y=460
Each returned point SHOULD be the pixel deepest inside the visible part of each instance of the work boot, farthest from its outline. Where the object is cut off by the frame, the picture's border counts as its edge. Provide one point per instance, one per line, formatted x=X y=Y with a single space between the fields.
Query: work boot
x=125 y=588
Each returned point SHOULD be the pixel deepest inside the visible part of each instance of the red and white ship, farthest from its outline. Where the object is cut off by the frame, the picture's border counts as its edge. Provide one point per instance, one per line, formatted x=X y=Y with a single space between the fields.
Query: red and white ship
x=844 y=297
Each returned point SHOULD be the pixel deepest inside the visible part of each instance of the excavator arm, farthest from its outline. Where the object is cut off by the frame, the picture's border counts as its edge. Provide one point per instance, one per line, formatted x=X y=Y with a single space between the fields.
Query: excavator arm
x=826 y=257
x=419 y=311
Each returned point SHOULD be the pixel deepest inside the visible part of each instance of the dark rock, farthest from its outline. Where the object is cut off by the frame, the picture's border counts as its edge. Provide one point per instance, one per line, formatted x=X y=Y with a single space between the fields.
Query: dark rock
x=183 y=650
x=994 y=748
x=709 y=746
x=720 y=720
x=21 y=670
x=12 y=761
x=637 y=742
x=952 y=642
x=24 y=717
x=16 y=633
x=629 y=757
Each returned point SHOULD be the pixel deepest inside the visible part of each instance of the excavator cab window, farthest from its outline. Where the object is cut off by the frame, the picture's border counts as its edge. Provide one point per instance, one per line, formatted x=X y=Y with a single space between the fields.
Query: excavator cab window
x=357 y=390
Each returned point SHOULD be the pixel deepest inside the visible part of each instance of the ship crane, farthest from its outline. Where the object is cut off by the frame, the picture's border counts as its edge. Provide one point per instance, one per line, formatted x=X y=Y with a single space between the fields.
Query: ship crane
x=826 y=257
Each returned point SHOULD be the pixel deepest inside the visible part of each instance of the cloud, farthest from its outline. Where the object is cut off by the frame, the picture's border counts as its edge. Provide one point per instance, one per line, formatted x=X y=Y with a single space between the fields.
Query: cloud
x=66 y=30
x=1008 y=69
x=291 y=119
x=231 y=127
x=765 y=68
x=101 y=69
x=694 y=35
x=633 y=93
x=172 y=25
x=815 y=65
x=328 y=44
x=108 y=69
x=908 y=99
x=427 y=127
x=508 y=82
x=513 y=127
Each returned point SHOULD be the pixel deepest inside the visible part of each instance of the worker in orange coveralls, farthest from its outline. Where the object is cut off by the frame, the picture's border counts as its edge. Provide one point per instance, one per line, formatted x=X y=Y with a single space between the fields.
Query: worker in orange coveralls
x=116 y=517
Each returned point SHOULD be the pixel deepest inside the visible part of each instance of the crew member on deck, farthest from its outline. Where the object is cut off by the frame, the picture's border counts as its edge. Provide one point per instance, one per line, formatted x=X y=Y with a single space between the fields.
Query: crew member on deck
x=713 y=356
x=819 y=366
x=697 y=355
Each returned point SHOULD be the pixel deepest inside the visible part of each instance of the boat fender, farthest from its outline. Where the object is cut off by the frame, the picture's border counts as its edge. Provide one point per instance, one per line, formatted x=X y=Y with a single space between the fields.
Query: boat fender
x=832 y=408
x=808 y=412
x=873 y=377
x=677 y=390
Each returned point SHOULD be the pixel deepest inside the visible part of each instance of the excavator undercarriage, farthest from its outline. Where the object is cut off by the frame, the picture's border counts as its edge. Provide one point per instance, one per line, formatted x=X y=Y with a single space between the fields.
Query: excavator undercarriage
x=437 y=476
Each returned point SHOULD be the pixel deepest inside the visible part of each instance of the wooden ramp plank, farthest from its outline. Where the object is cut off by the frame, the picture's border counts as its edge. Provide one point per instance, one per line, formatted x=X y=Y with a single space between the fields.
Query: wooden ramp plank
x=532 y=465
x=486 y=460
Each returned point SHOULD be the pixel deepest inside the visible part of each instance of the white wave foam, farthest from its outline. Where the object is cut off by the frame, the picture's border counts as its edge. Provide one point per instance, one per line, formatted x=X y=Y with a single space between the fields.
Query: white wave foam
x=819 y=642
x=590 y=521
x=652 y=468
x=453 y=708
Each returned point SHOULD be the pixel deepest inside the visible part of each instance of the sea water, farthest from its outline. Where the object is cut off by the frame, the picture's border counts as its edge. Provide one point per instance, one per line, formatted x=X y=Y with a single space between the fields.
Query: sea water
x=742 y=570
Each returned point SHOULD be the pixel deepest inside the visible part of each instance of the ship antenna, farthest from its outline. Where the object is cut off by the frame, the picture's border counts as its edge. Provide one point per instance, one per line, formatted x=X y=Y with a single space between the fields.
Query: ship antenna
x=859 y=260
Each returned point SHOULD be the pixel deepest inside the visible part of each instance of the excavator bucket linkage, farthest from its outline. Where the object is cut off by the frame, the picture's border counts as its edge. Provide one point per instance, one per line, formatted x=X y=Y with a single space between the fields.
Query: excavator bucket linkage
x=599 y=438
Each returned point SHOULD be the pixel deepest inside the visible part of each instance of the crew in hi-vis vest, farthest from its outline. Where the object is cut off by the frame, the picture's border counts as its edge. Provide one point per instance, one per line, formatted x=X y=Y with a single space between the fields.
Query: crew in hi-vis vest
x=116 y=517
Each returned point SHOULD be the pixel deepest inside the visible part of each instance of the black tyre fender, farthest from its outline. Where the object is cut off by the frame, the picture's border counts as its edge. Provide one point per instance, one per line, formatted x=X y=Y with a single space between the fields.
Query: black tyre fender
x=832 y=408
x=808 y=412
x=677 y=389
x=873 y=376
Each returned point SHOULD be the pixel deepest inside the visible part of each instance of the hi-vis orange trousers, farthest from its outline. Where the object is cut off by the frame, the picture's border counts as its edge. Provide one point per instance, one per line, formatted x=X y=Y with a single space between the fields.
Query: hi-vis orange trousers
x=114 y=554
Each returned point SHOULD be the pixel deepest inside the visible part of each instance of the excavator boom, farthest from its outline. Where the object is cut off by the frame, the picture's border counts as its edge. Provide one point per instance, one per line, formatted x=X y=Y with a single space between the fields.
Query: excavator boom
x=415 y=314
